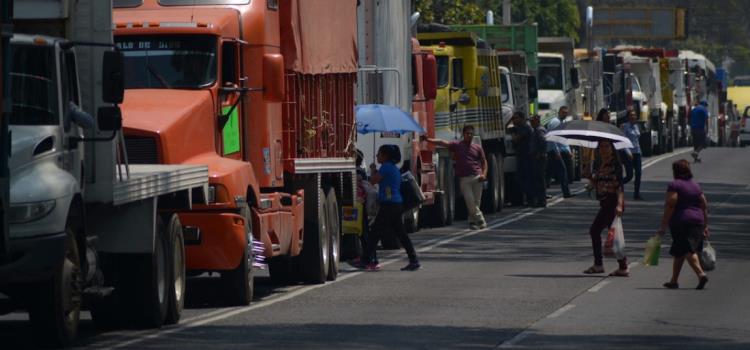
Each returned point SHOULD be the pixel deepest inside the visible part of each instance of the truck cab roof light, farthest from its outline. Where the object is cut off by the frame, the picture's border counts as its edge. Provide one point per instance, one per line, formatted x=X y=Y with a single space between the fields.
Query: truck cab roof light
x=40 y=41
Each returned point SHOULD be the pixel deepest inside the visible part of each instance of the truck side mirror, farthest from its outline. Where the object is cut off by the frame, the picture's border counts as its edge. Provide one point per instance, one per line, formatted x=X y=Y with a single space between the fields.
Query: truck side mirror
x=273 y=77
x=109 y=118
x=429 y=76
x=482 y=81
x=574 y=78
x=531 y=87
x=113 y=77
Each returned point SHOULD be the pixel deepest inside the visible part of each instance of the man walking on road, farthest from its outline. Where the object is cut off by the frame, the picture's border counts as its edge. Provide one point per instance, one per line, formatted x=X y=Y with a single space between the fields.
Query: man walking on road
x=471 y=168
x=538 y=151
x=698 y=127
x=558 y=154
x=522 y=133
x=633 y=161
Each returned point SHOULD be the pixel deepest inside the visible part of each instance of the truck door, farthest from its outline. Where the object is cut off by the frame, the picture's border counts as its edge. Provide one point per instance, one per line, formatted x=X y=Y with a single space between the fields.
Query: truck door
x=456 y=94
x=231 y=100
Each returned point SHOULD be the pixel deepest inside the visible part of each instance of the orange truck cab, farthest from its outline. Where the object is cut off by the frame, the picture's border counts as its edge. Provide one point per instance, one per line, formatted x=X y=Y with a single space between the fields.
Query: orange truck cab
x=262 y=93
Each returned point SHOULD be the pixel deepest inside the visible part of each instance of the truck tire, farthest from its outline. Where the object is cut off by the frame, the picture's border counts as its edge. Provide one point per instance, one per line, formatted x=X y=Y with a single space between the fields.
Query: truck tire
x=459 y=205
x=147 y=283
x=437 y=214
x=411 y=220
x=443 y=207
x=334 y=229
x=314 y=259
x=177 y=278
x=491 y=195
x=56 y=306
x=238 y=283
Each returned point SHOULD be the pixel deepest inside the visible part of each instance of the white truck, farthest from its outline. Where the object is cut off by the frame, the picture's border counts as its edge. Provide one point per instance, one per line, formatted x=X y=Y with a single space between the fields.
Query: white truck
x=557 y=76
x=85 y=229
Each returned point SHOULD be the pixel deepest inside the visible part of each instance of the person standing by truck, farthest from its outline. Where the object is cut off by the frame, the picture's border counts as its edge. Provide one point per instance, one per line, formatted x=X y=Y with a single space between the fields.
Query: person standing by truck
x=633 y=161
x=698 y=127
x=471 y=168
x=389 y=216
x=522 y=133
x=538 y=151
x=558 y=154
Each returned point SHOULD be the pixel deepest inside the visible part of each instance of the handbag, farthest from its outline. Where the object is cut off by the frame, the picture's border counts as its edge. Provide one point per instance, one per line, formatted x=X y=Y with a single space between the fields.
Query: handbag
x=708 y=257
x=411 y=193
x=653 y=250
x=618 y=246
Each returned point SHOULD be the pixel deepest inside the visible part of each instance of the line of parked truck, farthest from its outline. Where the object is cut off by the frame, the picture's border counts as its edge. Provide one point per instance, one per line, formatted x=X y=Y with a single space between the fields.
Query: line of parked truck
x=227 y=125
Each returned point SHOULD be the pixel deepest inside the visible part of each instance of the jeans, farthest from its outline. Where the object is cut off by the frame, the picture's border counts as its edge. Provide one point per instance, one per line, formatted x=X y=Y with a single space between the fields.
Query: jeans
x=524 y=174
x=560 y=171
x=631 y=167
x=471 y=189
x=603 y=219
x=540 y=180
x=389 y=217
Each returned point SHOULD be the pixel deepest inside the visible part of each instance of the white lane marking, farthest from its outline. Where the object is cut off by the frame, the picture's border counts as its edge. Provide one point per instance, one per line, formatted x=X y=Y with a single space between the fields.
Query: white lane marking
x=599 y=286
x=653 y=161
x=224 y=313
x=513 y=342
x=561 y=311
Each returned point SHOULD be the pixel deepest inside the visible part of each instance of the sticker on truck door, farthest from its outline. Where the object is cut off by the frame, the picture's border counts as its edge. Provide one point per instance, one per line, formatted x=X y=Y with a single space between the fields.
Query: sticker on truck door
x=231 y=131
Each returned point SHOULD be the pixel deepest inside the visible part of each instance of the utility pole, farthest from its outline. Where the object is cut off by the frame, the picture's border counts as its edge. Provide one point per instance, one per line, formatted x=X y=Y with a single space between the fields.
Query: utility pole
x=506 y=12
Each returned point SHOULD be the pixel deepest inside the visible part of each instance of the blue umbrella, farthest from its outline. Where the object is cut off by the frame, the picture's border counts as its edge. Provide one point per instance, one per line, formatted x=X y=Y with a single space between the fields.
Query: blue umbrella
x=384 y=118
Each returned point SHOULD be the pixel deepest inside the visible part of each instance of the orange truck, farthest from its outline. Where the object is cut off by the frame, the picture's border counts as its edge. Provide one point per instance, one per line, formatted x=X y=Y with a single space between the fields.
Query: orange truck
x=263 y=93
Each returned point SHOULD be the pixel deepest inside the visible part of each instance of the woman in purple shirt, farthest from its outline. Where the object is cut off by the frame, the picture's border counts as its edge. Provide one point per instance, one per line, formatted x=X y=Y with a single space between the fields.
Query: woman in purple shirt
x=685 y=211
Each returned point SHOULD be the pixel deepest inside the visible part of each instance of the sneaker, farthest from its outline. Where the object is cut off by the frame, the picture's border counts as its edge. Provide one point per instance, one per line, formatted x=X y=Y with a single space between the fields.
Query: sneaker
x=483 y=225
x=413 y=266
x=372 y=267
x=569 y=195
x=695 y=156
x=474 y=227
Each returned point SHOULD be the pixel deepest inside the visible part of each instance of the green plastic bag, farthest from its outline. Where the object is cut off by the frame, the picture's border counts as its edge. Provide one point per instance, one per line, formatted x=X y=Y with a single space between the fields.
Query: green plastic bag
x=653 y=249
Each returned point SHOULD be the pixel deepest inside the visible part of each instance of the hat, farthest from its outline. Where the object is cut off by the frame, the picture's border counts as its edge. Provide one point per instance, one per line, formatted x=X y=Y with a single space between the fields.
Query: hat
x=704 y=103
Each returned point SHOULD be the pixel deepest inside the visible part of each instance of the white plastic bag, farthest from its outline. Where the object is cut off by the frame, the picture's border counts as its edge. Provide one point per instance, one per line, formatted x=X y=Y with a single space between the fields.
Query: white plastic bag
x=708 y=257
x=619 y=244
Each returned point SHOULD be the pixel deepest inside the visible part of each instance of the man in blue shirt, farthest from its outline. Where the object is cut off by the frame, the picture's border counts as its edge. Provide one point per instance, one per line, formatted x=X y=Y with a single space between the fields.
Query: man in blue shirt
x=559 y=153
x=633 y=163
x=698 y=126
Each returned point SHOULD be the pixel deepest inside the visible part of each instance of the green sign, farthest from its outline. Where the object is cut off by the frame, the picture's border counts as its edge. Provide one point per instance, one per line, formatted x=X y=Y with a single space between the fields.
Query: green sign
x=231 y=131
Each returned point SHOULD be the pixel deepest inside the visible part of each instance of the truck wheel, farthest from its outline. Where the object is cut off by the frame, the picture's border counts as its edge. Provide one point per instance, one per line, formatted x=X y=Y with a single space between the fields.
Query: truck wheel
x=411 y=220
x=443 y=200
x=238 y=282
x=438 y=212
x=176 y=287
x=459 y=211
x=315 y=255
x=148 y=283
x=55 y=310
x=334 y=229
x=491 y=196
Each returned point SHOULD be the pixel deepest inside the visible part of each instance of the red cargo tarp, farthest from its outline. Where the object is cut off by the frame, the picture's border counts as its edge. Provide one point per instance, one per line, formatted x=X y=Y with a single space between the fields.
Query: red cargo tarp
x=319 y=36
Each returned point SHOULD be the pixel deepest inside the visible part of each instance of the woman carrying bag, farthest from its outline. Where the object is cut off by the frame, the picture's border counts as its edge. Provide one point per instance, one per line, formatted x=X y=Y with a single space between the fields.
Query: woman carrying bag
x=606 y=178
x=389 y=216
x=686 y=213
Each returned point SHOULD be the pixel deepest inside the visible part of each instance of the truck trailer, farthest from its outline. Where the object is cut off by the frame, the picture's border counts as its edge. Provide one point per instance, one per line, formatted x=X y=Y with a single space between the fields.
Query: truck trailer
x=263 y=93
x=86 y=229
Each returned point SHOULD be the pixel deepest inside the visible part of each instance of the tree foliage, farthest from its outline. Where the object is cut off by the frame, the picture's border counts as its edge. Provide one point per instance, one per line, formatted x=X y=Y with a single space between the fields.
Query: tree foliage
x=554 y=17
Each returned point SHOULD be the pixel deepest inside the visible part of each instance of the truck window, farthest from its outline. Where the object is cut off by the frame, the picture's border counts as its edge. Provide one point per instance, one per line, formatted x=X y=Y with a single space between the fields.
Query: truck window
x=504 y=88
x=164 y=62
x=126 y=3
x=229 y=63
x=70 y=78
x=442 y=71
x=458 y=73
x=33 y=80
x=550 y=73
x=635 y=85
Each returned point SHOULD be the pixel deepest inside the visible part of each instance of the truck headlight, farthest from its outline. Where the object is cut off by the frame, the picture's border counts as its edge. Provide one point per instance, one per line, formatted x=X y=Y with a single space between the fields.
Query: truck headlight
x=27 y=212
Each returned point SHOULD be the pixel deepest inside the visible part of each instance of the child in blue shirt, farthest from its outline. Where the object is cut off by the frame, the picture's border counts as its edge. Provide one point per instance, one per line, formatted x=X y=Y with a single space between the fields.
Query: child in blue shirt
x=390 y=214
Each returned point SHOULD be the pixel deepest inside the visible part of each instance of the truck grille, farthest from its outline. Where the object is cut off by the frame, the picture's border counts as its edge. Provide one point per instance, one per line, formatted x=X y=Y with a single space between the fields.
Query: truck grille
x=141 y=150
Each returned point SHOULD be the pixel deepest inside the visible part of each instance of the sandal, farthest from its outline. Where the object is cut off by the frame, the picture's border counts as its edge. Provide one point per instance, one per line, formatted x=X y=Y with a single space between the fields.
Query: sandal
x=702 y=283
x=594 y=269
x=671 y=285
x=620 y=273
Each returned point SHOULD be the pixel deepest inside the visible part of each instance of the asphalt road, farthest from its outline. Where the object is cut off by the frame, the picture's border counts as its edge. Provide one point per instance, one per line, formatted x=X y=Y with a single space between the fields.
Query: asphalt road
x=517 y=284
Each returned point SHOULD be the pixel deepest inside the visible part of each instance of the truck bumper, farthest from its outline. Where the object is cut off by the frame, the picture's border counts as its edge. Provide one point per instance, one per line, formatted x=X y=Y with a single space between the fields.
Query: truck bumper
x=222 y=241
x=32 y=259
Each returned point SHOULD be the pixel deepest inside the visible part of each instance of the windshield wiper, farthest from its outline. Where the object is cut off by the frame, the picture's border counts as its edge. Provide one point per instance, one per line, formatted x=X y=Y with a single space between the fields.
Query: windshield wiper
x=158 y=77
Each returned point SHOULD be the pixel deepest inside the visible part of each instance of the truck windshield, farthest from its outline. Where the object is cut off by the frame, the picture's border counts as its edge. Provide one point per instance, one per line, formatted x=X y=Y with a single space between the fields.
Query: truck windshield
x=442 y=70
x=550 y=74
x=33 y=80
x=168 y=62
